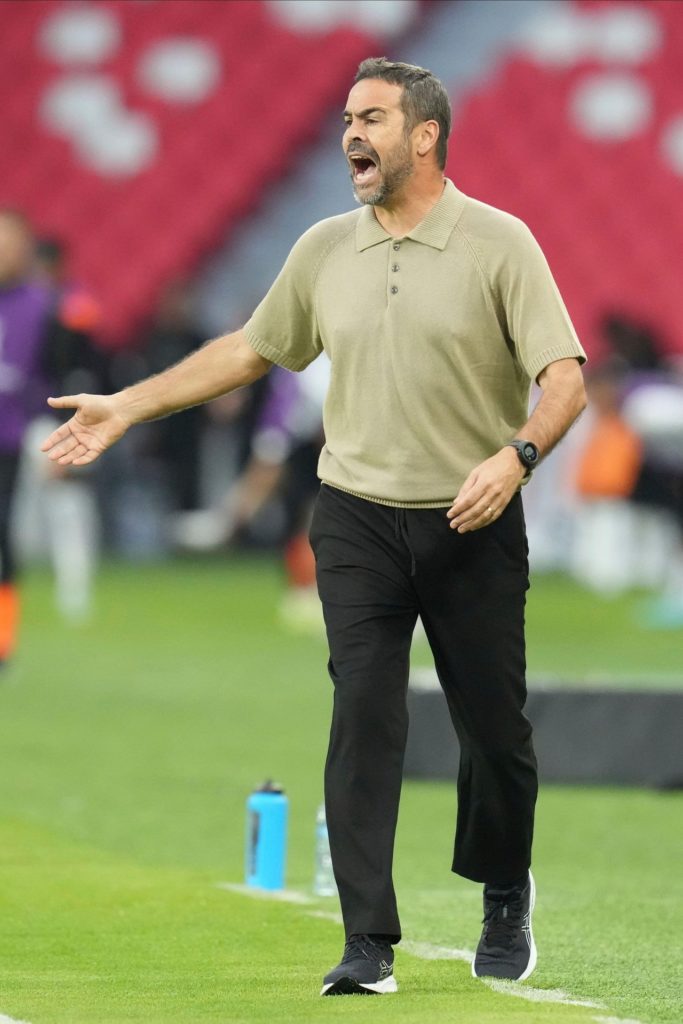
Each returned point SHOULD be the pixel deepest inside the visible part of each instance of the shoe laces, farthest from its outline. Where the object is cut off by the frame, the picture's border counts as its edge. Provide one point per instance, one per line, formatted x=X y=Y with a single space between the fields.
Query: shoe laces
x=358 y=946
x=503 y=917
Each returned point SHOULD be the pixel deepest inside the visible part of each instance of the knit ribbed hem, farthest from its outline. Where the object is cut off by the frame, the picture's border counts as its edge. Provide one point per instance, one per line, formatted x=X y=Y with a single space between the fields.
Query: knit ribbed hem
x=551 y=355
x=442 y=503
x=274 y=354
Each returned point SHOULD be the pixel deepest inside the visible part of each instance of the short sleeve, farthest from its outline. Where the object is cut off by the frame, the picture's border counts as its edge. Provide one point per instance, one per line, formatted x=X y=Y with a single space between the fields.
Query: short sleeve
x=284 y=326
x=536 y=317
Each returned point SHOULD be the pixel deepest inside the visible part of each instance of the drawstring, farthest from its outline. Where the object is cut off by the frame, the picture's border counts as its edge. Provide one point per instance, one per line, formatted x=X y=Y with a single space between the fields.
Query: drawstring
x=401 y=532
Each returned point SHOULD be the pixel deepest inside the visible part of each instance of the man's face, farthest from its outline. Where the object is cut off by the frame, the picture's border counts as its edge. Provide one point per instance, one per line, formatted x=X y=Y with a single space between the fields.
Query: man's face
x=375 y=141
x=15 y=249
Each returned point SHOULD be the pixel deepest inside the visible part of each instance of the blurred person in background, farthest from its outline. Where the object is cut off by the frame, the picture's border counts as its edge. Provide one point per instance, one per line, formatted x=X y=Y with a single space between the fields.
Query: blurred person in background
x=653 y=407
x=437 y=312
x=606 y=552
x=284 y=450
x=26 y=310
x=644 y=390
x=72 y=360
x=175 y=441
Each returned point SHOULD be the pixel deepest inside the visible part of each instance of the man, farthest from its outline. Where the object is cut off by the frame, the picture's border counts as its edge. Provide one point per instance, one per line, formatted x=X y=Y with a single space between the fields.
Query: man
x=437 y=312
x=25 y=313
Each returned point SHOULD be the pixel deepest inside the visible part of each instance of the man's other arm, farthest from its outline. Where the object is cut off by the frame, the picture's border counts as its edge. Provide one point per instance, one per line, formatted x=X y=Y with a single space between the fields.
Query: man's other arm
x=492 y=484
x=222 y=365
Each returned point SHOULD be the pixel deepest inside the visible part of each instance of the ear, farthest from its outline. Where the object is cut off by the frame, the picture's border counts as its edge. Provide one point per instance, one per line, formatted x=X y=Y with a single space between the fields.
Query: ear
x=427 y=135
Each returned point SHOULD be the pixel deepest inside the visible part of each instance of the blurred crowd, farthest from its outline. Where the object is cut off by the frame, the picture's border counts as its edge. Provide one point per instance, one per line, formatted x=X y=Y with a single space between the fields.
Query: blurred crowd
x=607 y=506
x=240 y=472
x=47 y=326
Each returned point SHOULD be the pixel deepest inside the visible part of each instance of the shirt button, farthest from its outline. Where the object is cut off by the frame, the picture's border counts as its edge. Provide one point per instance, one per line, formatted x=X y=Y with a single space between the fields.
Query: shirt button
x=397 y=246
x=394 y=289
x=395 y=267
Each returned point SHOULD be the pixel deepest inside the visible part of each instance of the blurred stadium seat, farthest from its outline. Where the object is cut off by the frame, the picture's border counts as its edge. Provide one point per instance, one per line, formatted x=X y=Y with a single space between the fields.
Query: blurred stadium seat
x=580 y=133
x=141 y=132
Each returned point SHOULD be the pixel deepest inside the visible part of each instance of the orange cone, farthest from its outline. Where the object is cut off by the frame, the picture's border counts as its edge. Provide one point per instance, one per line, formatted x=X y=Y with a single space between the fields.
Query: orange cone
x=9 y=619
x=300 y=562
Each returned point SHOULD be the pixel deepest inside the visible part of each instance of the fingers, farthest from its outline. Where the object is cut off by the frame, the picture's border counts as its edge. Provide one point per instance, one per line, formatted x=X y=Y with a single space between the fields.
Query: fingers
x=480 y=506
x=480 y=513
x=70 y=457
x=468 y=490
x=78 y=456
x=55 y=437
x=469 y=496
x=60 y=444
x=86 y=458
x=63 y=451
x=65 y=402
x=69 y=451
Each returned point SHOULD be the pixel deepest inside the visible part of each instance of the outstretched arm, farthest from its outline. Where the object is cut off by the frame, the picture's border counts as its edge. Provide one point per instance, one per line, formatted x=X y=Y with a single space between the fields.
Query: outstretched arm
x=222 y=365
x=492 y=484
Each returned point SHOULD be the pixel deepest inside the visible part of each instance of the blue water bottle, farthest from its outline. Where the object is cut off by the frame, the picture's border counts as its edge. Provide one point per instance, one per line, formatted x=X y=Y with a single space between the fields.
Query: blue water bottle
x=266 y=846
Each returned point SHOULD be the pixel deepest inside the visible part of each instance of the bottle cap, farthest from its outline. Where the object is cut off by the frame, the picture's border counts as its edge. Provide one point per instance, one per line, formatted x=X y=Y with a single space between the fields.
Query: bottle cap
x=269 y=787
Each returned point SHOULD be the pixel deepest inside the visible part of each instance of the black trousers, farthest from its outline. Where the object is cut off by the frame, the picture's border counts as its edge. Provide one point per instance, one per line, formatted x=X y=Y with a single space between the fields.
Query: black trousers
x=9 y=470
x=378 y=568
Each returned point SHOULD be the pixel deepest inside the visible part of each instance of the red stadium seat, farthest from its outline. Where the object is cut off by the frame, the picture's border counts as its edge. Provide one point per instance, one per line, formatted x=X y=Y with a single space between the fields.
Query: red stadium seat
x=608 y=212
x=142 y=187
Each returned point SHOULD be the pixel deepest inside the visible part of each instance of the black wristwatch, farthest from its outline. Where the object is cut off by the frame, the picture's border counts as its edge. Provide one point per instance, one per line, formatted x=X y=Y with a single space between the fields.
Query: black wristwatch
x=527 y=453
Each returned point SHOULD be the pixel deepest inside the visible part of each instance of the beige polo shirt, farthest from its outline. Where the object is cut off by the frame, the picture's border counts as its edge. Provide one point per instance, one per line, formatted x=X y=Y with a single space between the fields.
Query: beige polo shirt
x=434 y=340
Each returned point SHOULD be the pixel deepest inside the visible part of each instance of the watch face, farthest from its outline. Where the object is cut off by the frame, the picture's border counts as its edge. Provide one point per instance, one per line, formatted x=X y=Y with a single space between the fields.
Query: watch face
x=530 y=452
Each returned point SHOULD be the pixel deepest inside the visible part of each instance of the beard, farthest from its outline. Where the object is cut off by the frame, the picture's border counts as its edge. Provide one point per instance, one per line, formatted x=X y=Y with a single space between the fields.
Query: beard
x=397 y=170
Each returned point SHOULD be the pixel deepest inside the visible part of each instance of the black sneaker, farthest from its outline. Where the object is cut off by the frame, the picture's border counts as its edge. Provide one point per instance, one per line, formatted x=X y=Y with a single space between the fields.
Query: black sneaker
x=367 y=968
x=507 y=948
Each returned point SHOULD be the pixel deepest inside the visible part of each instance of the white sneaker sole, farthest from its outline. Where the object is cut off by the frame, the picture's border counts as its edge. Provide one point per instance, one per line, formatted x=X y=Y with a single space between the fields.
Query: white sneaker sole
x=533 y=954
x=349 y=987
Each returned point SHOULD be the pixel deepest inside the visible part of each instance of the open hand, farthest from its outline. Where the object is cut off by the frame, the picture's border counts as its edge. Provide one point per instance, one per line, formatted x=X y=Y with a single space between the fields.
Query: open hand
x=94 y=427
x=487 y=492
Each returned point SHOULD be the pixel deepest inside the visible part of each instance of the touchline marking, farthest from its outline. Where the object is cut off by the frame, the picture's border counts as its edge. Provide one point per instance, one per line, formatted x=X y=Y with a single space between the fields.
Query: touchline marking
x=538 y=995
x=425 y=951
x=422 y=950
x=428 y=951
x=615 y=1020
x=326 y=915
x=283 y=895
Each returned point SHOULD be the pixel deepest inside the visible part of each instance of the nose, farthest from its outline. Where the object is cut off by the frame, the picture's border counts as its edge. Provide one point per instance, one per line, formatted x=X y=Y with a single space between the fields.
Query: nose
x=354 y=133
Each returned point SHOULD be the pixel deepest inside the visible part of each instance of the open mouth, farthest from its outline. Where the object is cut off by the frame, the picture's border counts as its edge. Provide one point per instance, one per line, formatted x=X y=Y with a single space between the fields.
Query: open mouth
x=363 y=168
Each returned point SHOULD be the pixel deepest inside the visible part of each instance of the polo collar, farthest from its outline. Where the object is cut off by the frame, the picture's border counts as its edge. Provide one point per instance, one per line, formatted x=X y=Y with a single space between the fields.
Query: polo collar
x=435 y=229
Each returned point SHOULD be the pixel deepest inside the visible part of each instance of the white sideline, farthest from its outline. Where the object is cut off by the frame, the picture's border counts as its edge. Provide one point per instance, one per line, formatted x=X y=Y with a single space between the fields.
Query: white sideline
x=283 y=895
x=430 y=951
x=615 y=1020
x=539 y=995
x=326 y=915
x=422 y=950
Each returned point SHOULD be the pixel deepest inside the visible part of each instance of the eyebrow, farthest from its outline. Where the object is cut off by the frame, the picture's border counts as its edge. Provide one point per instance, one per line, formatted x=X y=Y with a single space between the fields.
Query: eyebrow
x=366 y=112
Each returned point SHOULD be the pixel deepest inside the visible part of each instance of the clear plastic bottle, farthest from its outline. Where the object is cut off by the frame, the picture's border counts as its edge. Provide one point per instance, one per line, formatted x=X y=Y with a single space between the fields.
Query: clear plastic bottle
x=323 y=881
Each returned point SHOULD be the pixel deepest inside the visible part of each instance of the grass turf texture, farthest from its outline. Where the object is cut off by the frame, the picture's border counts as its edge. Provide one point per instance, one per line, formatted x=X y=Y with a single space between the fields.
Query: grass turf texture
x=129 y=747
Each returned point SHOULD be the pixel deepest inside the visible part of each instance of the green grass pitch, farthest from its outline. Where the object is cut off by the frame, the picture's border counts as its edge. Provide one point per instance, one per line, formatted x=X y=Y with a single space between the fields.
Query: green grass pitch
x=128 y=749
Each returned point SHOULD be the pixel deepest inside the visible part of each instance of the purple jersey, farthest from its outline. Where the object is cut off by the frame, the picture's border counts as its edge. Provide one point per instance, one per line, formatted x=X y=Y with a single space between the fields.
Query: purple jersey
x=24 y=314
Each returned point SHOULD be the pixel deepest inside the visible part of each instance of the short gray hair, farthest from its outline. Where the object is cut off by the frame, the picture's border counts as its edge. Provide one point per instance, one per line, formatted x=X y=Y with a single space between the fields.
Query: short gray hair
x=423 y=98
